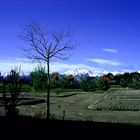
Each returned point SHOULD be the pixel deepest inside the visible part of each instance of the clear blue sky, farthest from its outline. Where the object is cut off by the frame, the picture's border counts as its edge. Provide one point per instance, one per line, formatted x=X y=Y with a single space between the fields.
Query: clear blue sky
x=107 y=32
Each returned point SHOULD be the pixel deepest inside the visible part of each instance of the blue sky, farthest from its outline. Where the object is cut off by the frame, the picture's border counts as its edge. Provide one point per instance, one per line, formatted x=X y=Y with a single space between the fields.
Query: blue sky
x=106 y=32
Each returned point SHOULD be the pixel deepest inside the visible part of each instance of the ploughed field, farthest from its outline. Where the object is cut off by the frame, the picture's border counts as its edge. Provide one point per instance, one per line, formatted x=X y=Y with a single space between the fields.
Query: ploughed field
x=119 y=105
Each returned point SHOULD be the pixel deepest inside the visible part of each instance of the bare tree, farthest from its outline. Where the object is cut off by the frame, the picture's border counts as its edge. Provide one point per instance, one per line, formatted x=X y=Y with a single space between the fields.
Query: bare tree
x=46 y=46
x=12 y=87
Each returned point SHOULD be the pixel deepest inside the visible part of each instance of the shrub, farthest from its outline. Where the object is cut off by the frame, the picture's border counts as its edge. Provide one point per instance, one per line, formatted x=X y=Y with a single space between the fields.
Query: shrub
x=135 y=80
x=86 y=84
x=39 y=79
x=94 y=84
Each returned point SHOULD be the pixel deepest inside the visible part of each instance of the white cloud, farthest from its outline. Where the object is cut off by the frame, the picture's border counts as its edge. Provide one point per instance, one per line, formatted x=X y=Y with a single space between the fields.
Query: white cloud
x=128 y=70
x=104 y=61
x=7 y=65
x=110 y=50
x=26 y=66
x=22 y=59
x=63 y=66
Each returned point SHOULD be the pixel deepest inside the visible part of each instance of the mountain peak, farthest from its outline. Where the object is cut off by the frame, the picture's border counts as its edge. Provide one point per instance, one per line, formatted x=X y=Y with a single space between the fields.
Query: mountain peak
x=92 y=73
x=80 y=72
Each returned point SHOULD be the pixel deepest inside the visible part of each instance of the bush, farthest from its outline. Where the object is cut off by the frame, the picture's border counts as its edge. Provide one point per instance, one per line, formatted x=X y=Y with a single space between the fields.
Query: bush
x=124 y=82
x=86 y=84
x=39 y=79
x=94 y=84
x=135 y=81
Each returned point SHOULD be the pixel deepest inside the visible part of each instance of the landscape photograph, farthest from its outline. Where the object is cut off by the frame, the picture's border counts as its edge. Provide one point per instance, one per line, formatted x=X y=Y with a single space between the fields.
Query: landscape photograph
x=69 y=63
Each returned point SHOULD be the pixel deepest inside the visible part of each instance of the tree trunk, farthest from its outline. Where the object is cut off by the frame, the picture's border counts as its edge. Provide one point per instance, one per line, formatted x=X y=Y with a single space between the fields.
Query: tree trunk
x=48 y=90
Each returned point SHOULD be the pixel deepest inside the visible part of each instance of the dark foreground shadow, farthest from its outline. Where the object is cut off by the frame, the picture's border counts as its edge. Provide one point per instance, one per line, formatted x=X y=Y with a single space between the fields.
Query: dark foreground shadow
x=59 y=128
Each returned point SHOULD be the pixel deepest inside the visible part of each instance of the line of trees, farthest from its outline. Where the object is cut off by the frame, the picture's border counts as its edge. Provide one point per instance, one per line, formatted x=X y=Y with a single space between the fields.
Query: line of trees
x=86 y=83
x=37 y=79
x=131 y=80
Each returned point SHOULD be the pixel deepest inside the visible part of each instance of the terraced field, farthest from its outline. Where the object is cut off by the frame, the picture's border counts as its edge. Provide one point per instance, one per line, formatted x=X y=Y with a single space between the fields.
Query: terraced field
x=118 y=101
x=121 y=105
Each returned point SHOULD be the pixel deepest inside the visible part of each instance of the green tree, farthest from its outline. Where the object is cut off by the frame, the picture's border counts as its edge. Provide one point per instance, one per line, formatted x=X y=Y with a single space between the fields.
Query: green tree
x=87 y=83
x=105 y=82
x=55 y=80
x=135 y=80
x=94 y=83
x=125 y=80
x=39 y=78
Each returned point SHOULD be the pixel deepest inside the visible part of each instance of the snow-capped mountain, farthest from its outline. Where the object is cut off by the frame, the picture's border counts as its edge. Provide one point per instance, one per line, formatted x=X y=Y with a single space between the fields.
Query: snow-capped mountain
x=94 y=72
x=75 y=72
x=79 y=72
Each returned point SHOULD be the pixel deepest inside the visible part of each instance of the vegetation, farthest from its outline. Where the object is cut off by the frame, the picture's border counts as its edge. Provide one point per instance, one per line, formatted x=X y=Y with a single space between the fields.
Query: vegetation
x=39 y=79
x=12 y=86
x=36 y=82
x=94 y=83
x=46 y=46
x=76 y=104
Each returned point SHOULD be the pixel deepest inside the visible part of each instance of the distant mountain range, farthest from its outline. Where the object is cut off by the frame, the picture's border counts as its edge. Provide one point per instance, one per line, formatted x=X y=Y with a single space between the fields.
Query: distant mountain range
x=80 y=72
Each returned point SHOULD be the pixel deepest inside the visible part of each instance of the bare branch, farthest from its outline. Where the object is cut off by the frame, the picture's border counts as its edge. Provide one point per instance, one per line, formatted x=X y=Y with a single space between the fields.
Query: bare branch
x=45 y=45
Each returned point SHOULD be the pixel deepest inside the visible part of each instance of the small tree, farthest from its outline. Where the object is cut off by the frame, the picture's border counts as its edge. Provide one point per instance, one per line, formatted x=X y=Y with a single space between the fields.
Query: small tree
x=46 y=46
x=106 y=84
x=86 y=83
x=70 y=79
x=125 y=80
x=39 y=77
x=135 y=80
x=63 y=81
x=55 y=76
x=12 y=86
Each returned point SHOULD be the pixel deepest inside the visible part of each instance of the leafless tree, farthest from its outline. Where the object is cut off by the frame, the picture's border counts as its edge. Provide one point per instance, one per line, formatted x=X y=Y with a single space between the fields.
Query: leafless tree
x=12 y=87
x=46 y=46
